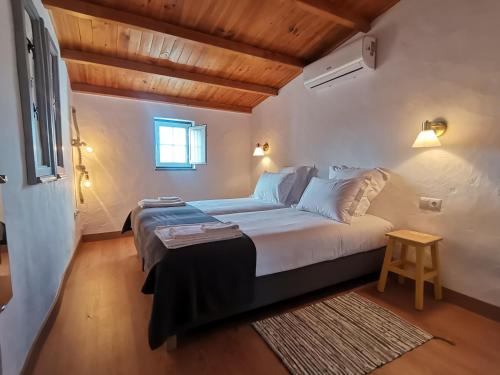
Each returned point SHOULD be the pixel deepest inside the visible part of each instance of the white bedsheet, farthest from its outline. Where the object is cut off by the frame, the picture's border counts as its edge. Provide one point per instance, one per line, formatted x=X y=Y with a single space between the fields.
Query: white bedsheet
x=229 y=206
x=287 y=238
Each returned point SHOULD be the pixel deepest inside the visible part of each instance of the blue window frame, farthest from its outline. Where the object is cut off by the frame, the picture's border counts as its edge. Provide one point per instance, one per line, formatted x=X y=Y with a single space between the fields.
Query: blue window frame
x=172 y=144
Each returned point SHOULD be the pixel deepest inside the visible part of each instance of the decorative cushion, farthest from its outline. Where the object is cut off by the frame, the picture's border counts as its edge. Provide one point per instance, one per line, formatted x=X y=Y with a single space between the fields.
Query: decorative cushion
x=377 y=176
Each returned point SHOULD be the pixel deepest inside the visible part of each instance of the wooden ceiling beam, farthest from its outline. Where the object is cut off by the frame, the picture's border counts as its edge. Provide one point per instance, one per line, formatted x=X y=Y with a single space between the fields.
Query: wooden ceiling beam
x=82 y=57
x=152 y=97
x=325 y=8
x=86 y=9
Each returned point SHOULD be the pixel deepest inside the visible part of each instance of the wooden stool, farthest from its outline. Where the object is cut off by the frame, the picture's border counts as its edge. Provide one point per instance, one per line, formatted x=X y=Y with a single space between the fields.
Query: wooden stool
x=420 y=273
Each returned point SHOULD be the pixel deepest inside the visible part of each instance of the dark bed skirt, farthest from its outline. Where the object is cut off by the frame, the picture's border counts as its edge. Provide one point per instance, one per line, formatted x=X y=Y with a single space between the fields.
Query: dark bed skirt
x=278 y=287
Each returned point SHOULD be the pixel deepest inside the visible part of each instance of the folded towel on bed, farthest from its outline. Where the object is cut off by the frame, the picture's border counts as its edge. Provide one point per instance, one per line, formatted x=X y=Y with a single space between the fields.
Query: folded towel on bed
x=150 y=203
x=212 y=227
x=177 y=236
x=170 y=199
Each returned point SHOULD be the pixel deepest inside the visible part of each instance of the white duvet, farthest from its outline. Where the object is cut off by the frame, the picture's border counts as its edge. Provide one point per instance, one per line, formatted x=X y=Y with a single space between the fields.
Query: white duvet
x=230 y=206
x=287 y=238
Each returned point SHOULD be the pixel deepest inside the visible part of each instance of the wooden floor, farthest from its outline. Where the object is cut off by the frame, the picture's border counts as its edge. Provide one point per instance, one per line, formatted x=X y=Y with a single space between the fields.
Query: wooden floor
x=101 y=328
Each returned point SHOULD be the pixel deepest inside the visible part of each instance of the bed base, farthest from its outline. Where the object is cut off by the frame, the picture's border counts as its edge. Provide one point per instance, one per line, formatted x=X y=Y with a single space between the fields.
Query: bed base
x=278 y=287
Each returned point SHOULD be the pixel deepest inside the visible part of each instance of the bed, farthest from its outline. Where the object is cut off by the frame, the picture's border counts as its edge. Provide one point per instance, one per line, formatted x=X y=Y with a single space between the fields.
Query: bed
x=281 y=236
x=295 y=252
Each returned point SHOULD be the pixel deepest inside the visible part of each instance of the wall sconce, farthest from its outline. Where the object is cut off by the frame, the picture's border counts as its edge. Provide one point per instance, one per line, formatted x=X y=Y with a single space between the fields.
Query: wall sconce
x=260 y=150
x=87 y=183
x=83 y=178
x=428 y=136
x=77 y=143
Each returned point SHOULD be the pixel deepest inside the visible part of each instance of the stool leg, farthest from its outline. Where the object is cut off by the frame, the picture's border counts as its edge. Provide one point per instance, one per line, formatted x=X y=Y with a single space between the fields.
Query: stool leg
x=385 y=266
x=438 y=292
x=404 y=251
x=419 y=277
x=171 y=343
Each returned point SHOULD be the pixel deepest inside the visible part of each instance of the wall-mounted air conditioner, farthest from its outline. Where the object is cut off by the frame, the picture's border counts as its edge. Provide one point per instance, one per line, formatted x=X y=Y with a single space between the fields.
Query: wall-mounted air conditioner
x=346 y=63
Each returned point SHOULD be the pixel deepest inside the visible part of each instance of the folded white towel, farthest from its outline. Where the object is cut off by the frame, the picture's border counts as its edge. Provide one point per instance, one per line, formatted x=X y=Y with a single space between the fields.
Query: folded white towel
x=211 y=227
x=177 y=243
x=185 y=236
x=170 y=199
x=151 y=203
x=177 y=236
x=200 y=230
x=158 y=200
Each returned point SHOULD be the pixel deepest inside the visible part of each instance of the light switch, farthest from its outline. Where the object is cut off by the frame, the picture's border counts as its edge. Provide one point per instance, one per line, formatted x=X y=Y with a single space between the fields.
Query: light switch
x=430 y=204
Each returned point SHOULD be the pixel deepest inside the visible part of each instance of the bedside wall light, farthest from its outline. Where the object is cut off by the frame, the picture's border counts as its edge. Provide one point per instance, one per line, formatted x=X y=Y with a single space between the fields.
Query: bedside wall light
x=428 y=136
x=78 y=144
x=86 y=182
x=260 y=149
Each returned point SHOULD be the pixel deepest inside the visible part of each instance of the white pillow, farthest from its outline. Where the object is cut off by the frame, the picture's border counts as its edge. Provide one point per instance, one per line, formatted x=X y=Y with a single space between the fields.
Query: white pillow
x=274 y=187
x=378 y=178
x=336 y=199
x=303 y=176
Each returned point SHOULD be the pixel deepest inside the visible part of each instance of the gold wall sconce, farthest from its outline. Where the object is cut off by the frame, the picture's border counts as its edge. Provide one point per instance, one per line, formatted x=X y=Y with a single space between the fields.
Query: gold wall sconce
x=260 y=150
x=428 y=136
x=83 y=178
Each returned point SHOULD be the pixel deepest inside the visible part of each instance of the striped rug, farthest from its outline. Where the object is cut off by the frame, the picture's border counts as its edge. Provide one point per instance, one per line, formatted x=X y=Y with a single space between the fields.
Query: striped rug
x=342 y=335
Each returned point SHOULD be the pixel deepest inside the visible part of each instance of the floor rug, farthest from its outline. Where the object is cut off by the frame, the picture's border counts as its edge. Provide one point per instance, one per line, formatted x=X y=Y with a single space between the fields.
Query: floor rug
x=342 y=335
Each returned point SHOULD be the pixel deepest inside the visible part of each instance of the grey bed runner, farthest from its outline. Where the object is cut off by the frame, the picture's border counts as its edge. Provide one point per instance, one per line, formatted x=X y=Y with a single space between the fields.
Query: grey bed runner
x=191 y=283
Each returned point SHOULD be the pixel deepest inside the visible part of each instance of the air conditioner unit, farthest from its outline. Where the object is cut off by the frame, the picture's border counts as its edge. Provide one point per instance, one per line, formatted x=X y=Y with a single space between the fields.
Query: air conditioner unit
x=346 y=63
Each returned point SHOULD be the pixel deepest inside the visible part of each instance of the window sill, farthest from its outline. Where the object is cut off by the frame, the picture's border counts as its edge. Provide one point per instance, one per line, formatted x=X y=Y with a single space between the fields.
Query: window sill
x=193 y=168
x=46 y=179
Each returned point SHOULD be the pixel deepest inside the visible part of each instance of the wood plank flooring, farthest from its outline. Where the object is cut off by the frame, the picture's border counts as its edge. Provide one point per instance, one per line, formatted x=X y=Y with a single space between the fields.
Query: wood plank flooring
x=101 y=328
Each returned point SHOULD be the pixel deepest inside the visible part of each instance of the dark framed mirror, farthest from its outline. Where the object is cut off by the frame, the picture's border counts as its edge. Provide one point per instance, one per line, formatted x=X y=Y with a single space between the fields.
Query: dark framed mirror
x=5 y=274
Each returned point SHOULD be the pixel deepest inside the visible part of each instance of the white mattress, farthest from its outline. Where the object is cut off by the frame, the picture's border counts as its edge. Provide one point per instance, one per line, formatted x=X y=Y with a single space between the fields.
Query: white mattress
x=230 y=206
x=287 y=238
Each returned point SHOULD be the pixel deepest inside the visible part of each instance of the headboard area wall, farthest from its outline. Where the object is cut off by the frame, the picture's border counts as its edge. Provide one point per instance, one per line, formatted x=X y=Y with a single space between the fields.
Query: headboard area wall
x=431 y=64
x=122 y=164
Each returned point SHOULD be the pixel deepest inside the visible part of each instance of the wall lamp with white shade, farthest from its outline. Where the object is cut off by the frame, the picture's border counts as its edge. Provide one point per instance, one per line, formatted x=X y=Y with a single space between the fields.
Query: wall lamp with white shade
x=260 y=150
x=428 y=136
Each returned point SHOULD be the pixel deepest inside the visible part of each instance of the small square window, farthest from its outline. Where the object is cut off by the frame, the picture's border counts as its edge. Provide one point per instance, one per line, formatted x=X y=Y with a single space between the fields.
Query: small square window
x=179 y=144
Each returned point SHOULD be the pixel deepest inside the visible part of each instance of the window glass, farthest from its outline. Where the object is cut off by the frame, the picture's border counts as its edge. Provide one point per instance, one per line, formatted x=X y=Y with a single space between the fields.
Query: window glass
x=40 y=153
x=172 y=143
x=179 y=144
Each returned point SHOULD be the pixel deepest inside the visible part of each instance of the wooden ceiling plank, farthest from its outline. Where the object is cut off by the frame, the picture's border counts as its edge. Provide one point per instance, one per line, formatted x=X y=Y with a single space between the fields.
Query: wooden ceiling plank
x=106 y=60
x=83 y=8
x=132 y=94
x=327 y=9
x=86 y=37
x=156 y=46
x=122 y=42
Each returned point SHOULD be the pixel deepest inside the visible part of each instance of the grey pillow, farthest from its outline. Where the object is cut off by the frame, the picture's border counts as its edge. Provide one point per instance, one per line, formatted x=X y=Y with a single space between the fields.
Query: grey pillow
x=303 y=176
x=274 y=187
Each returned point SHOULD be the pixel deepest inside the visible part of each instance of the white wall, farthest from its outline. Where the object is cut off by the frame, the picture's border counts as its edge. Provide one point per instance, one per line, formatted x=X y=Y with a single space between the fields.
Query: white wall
x=436 y=59
x=122 y=166
x=39 y=218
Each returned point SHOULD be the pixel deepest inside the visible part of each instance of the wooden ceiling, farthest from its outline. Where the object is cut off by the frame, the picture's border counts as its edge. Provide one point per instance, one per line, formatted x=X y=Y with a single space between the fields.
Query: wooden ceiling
x=223 y=54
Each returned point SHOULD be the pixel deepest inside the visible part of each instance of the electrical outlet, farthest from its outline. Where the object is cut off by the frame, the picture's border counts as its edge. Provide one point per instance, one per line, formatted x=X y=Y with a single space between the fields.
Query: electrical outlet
x=430 y=204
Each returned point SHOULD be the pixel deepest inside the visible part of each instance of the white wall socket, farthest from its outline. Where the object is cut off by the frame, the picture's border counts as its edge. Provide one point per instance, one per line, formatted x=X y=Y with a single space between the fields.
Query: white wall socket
x=431 y=204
